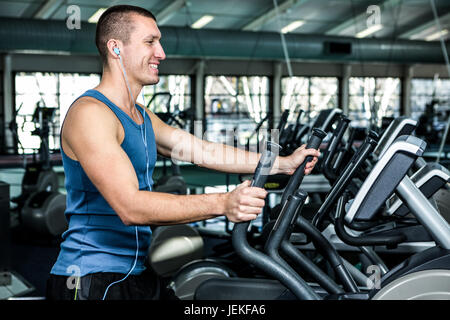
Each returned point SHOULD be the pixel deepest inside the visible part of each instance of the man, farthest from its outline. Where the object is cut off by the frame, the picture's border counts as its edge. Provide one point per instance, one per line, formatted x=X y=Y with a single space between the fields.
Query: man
x=109 y=146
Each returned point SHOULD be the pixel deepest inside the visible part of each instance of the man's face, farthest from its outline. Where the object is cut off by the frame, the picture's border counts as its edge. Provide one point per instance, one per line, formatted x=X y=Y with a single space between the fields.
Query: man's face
x=144 y=51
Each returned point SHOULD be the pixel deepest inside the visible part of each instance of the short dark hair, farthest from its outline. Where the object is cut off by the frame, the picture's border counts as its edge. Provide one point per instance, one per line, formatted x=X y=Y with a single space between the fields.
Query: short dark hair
x=116 y=23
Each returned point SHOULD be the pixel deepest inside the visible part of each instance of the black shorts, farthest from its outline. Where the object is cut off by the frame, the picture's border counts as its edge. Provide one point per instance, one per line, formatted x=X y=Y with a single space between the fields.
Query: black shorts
x=146 y=286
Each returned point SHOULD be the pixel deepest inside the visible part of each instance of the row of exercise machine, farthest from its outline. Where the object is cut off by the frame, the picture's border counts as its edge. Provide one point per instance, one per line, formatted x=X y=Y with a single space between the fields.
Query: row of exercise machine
x=381 y=232
x=384 y=200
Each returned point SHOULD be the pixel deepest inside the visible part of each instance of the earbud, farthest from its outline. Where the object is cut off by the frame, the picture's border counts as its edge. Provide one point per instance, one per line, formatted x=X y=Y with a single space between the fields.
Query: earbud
x=117 y=51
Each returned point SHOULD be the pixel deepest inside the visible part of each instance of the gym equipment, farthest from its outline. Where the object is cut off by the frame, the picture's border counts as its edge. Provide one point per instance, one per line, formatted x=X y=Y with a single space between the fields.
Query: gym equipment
x=332 y=165
x=345 y=179
x=5 y=242
x=256 y=132
x=417 y=237
x=429 y=179
x=432 y=122
x=328 y=169
x=193 y=274
x=388 y=175
x=269 y=264
x=427 y=271
x=442 y=198
x=235 y=288
x=398 y=127
x=39 y=175
x=190 y=276
x=283 y=130
x=421 y=285
x=324 y=121
x=42 y=213
x=403 y=153
x=289 y=135
x=263 y=262
x=11 y=283
x=174 y=183
x=411 y=234
x=40 y=206
x=401 y=149
x=412 y=238
x=278 y=240
x=337 y=154
x=173 y=247
x=296 y=179
x=434 y=261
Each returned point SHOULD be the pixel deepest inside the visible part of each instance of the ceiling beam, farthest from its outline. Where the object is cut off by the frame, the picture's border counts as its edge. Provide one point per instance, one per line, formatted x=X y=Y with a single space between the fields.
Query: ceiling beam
x=165 y=14
x=423 y=27
x=256 y=24
x=47 y=9
x=350 y=23
x=23 y=35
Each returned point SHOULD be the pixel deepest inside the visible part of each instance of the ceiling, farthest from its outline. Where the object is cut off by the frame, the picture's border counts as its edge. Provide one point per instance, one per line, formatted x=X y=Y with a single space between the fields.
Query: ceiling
x=400 y=19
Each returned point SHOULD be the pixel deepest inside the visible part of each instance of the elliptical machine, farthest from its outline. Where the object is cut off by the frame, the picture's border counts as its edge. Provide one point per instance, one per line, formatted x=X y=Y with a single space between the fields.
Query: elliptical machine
x=40 y=206
x=425 y=275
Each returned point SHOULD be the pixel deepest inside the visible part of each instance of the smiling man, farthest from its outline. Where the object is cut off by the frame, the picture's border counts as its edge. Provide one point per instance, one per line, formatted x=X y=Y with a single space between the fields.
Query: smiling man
x=109 y=145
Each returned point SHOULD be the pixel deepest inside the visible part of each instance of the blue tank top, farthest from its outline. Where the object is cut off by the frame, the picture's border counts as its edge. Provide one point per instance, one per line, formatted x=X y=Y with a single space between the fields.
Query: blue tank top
x=97 y=240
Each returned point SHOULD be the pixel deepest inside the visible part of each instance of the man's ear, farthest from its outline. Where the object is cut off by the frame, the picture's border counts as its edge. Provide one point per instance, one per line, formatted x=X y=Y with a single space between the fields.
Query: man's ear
x=114 y=47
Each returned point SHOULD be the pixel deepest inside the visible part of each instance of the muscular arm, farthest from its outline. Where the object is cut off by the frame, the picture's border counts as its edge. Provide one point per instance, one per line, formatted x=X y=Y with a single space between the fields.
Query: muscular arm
x=90 y=130
x=181 y=145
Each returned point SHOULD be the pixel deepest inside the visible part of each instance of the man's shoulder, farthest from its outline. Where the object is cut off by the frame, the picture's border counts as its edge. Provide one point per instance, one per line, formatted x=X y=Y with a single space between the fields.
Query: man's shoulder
x=87 y=102
x=88 y=107
x=87 y=113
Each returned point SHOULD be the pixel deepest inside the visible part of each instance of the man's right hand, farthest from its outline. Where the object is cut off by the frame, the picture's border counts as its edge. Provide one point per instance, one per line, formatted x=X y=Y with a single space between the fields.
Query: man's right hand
x=244 y=203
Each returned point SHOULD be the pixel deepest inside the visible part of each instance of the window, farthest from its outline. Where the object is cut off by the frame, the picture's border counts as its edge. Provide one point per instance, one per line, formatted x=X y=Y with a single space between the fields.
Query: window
x=51 y=90
x=235 y=104
x=310 y=94
x=371 y=99
x=72 y=86
x=171 y=94
x=424 y=91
